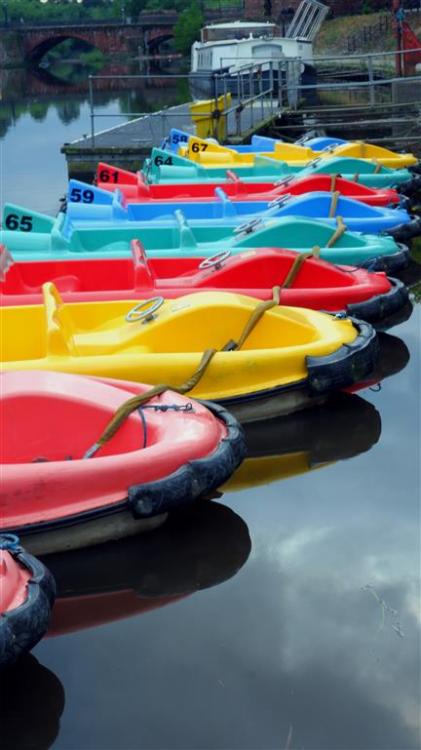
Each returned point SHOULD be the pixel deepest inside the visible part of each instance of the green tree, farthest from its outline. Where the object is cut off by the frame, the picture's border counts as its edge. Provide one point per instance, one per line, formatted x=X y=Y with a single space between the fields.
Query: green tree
x=134 y=7
x=187 y=28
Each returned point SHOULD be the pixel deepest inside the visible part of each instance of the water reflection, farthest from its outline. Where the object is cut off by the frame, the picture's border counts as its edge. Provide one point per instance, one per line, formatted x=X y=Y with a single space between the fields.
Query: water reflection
x=194 y=550
x=281 y=448
x=64 y=89
x=31 y=704
x=393 y=357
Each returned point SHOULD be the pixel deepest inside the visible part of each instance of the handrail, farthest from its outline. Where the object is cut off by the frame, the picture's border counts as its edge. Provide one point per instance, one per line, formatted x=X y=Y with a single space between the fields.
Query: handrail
x=220 y=79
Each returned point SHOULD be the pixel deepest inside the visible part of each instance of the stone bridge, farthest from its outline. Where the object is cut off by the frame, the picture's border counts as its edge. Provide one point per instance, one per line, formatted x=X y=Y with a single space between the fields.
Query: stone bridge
x=30 y=43
x=112 y=39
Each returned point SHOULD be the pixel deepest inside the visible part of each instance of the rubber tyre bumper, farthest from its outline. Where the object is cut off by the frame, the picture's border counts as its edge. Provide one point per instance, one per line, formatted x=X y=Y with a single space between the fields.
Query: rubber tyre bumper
x=411 y=187
x=382 y=306
x=389 y=263
x=348 y=365
x=24 y=626
x=195 y=479
x=406 y=232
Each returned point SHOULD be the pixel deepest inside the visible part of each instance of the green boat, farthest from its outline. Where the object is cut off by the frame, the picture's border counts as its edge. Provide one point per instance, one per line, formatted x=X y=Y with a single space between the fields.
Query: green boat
x=164 y=167
x=30 y=235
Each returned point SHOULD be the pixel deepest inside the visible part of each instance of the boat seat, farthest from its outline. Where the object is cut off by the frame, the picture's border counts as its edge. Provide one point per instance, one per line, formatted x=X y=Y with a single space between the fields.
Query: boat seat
x=63 y=338
x=68 y=283
x=142 y=269
x=59 y=330
x=118 y=336
x=228 y=207
x=187 y=238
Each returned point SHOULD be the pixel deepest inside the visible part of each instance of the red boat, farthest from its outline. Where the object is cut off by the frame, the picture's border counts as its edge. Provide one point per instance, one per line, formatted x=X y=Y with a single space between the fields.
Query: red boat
x=27 y=592
x=136 y=190
x=57 y=479
x=318 y=284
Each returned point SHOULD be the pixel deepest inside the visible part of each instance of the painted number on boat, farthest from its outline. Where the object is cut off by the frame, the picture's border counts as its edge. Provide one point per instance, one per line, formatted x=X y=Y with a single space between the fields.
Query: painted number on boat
x=196 y=147
x=160 y=160
x=105 y=176
x=21 y=223
x=178 y=138
x=81 y=196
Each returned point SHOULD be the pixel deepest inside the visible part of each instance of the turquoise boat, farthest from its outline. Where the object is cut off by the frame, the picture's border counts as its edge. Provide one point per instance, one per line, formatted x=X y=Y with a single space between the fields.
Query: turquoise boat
x=164 y=166
x=30 y=235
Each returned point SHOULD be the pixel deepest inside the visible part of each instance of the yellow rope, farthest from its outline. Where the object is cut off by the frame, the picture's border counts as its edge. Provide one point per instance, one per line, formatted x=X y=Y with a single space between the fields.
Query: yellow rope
x=333 y=179
x=334 y=204
x=136 y=401
x=340 y=229
x=295 y=268
x=378 y=166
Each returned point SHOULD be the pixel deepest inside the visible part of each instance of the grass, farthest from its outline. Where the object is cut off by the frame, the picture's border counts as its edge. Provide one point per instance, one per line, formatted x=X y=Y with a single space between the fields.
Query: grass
x=333 y=35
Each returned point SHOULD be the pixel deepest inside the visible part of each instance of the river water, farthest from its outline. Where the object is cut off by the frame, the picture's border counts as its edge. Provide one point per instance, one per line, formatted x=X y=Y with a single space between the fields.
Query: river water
x=285 y=615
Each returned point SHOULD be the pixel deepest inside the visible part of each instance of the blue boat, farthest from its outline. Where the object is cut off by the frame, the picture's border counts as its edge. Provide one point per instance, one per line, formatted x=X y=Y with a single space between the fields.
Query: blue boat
x=105 y=206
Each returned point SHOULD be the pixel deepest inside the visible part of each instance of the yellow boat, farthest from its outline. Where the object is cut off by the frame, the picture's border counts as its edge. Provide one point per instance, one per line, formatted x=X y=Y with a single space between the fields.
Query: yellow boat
x=290 y=356
x=213 y=154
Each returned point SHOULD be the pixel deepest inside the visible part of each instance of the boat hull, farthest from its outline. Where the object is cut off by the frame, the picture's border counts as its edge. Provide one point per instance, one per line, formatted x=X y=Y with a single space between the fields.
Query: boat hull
x=26 y=598
x=167 y=457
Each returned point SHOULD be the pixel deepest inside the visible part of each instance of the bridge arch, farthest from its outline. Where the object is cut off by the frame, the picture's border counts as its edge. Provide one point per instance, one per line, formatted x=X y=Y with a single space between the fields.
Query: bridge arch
x=37 y=52
x=109 y=39
x=154 y=44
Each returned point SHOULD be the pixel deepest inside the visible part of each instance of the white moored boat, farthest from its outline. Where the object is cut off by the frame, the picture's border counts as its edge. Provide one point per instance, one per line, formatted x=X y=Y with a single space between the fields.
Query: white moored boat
x=231 y=47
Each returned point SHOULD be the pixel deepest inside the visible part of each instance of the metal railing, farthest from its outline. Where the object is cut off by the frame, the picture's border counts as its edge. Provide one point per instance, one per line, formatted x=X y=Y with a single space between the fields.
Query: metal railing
x=253 y=99
x=370 y=65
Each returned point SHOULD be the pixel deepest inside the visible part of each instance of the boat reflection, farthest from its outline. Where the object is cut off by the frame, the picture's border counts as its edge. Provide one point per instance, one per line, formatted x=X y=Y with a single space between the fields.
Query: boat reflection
x=393 y=357
x=196 y=549
x=31 y=703
x=341 y=428
x=411 y=275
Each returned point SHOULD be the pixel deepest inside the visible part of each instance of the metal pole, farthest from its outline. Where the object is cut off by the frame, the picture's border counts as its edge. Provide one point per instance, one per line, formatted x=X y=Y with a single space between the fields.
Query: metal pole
x=91 y=108
x=225 y=115
x=371 y=79
x=251 y=86
x=280 y=84
x=237 y=111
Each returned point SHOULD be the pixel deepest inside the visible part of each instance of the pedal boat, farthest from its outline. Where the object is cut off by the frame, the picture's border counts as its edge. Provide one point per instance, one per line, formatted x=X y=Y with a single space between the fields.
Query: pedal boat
x=135 y=190
x=27 y=592
x=316 y=284
x=165 y=167
x=166 y=455
x=178 y=140
x=206 y=152
x=61 y=238
x=290 y=357
x=325 y=206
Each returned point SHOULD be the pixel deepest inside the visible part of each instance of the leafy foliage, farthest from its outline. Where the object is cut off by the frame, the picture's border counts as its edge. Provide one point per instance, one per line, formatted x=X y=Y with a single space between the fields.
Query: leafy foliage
x=187 y=28
x=33 y=11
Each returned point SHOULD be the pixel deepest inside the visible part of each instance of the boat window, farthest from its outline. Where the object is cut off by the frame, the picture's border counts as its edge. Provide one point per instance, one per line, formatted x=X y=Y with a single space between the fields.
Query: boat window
x=267 y=51
x=204 y=59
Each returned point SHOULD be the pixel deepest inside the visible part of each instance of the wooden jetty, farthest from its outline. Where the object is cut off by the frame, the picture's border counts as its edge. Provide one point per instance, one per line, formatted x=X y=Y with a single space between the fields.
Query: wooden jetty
x=235 y=119
x=382 y=109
